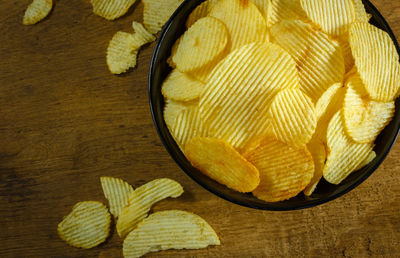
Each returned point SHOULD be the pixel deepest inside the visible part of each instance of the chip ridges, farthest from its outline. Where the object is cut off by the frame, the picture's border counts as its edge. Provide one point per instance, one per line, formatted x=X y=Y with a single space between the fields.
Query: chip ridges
x=360 y=14
x=157 y=12
x=111 y=9
x=317 y=149
x=37 y=11
x=87 y=225
x=116 y=192
x=180 y=86
x=171 y=229
x=121 y=52
x=280 y=10
x=141 y=35
x=200 y=11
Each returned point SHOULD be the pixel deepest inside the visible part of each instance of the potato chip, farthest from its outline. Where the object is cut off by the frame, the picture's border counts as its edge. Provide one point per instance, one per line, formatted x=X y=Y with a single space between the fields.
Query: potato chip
x=347 y=54
x=171 y=229
x=377 y=61
x=332 y=16
x=37 y=11
x=369 y=159
x=243 y=20
x=141 y=35
x=181 y=87
x=293 y=117
x=173 y=108
x=116 y=192
x=121 y=52
x=284 y=171
x=360 y=14
x=344 y=155
x=111 y=9
x=157 y=12
x=280 y=10
x=235 y=101
x=263 y=6
x=173 y=52
x=200 y=11
x=364 y=118
x=317 y=149
x=87 y=226
x=206 y=72
x=201 y=44
x=319 y=58
x=141 y=200
x=220 y=161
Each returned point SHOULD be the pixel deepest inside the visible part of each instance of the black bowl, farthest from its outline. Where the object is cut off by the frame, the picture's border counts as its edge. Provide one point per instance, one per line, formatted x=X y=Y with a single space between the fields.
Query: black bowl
x=325 y=192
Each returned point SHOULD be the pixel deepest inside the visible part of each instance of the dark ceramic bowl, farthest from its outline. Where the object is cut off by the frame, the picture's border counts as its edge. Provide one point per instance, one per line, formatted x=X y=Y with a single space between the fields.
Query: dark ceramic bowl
x=325 y=192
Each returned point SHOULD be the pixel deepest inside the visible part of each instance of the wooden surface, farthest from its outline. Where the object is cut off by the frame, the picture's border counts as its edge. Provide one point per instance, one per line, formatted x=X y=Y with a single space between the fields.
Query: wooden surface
x=65 y=121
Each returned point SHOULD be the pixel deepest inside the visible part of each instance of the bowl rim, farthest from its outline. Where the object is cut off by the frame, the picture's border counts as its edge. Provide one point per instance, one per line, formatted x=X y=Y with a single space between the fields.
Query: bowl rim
x=311 y=203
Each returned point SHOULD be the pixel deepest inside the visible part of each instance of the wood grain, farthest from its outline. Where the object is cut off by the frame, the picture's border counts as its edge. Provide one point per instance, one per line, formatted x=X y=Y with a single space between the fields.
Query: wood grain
x=65 y=121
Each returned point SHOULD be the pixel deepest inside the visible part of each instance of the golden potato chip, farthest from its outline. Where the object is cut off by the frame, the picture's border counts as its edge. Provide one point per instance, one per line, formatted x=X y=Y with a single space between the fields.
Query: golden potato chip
x=360 y=14
x=121 y=52
x=317 y=149
x=220 y=161
x=173 y=108
x=201 y=44
x=111 y=9
x=243 y=20
x=141 y=35
x=280 y=10
x=344 y=155
x=171 y=229
x=116 y=192
x=206 y=72
x=284 y=171
x=364 y=118
x=141 y=200
x=376 y=59
x=157 y=12
x=263 y=6
x=200 y=11
x=332 y=16
x=173 y=52
x=235 y=101
x=347 y=54
x=293 y=117
x=369 y=159
x=37 y=11
x=87 y=226
x=319 y=58
x=181 y=87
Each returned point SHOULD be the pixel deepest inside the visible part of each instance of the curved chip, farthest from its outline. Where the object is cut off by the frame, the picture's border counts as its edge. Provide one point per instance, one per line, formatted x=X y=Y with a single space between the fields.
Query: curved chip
x=171 y=229
x=293 y=117
x=221 y=162
x=121 y=52
x=37 y=11
x=263 y=6
x=235 y=101
x=317 y=149
x=141 y=200
x=200 y=11
x=319 y=58
x=284 y=171
x=344 y=155
x=377 y=61
x=87 y=226
x=141 y=35
x=181 y=87
x=172 y=109
x=280 y=10
x=347 y=54
x=116 y=192
x=369 y=159
x=243 y=20
x=157 y=12
x=360 y=14
x=364 y=118
x=332 y=16
x=111 y=9
x=201 y=44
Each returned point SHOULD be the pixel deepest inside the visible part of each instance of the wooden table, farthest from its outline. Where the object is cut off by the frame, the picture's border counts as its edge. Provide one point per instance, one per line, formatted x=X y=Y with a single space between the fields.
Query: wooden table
x=65 y=121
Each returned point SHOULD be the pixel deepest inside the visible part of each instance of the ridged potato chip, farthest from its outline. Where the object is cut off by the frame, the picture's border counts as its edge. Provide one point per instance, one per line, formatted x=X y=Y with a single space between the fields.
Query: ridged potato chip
x=37 y=11
x=317 y=149
x=121 y=52
x=141 y=35
x=206 y=72
x=369 y=159
x=263 y=6
x=171 y=229
x=141 y=200
x=293 y=117
x=181 y=87
x=360 y=14
x=200 y=11
x=173 y=108
x=344 y=155
x=235 y=101
x=116 y=192
x=111 y=9
x=87 y=226
x=364 y=118
x=284 y=171
x=220 y=161
x=243 y=20
x=157 y=12
x=280 y=10
x=200 y=44
x=376 y=59
x=347 y=54
x=318 y=57
x=332 y=16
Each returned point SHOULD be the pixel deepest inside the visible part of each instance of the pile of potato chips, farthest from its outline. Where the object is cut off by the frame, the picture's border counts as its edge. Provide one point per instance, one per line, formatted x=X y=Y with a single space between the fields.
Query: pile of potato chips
x=269 y=96
x=88 y=224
